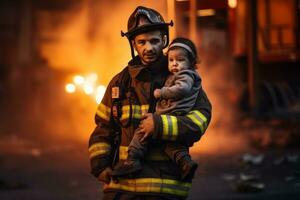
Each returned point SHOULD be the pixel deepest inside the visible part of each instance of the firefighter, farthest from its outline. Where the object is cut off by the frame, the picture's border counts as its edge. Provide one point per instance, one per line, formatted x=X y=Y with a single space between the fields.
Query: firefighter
x=129 y=103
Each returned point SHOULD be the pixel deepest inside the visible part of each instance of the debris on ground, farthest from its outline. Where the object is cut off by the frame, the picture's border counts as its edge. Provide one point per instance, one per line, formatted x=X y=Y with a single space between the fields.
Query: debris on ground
x=249 y=183
x=248 y=177
x=252 y=159
x=228 y=177
x=249 y=187
x=288 y=158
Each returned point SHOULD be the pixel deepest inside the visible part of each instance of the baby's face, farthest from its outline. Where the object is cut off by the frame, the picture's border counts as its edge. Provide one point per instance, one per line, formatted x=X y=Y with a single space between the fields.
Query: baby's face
x=178 y=60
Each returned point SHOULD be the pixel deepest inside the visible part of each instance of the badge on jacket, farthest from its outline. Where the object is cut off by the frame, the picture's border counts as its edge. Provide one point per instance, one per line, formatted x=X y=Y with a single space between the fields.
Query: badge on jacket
x=115 y=92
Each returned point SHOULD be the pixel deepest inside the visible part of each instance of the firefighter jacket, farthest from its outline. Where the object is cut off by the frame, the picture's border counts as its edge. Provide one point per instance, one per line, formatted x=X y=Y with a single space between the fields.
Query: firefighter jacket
x=159 y=176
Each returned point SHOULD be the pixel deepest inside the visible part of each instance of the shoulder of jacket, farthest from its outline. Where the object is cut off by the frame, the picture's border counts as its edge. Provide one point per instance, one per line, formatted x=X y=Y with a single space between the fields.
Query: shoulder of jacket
x=117 y=79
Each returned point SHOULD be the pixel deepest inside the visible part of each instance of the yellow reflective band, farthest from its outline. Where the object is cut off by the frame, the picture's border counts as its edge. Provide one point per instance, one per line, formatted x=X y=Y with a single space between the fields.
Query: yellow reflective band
x=199 y=119
x=165 y=126
x=137 y=111
x=170 y=127
x=99 y=149
x=151 y=185
x=175 y=128
x=152 y=155
x=103 y=111
x=199 y=114
x=123 y=152
x=144 y=109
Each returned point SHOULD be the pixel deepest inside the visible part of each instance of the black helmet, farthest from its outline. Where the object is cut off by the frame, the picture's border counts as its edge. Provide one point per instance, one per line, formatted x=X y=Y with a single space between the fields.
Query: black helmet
x=153 y=21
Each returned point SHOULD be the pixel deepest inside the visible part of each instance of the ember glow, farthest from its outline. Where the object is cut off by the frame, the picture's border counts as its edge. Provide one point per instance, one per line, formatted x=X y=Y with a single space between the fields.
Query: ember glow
x=232 y=3
x=78 y=80
x=70 y=88
x=87 y=85
x=100 y=93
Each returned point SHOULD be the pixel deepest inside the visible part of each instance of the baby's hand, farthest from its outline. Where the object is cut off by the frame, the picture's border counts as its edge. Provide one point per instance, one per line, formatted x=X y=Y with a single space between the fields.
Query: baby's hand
x=157 y=93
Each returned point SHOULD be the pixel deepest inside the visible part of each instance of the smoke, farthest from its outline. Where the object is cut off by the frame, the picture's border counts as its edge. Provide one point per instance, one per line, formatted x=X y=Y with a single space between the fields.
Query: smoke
x=86 y=39
x=89 y=40
x=223 y=87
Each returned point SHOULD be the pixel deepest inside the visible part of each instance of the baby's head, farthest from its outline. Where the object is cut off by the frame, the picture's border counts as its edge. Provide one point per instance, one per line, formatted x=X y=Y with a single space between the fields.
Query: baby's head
x=182 y=55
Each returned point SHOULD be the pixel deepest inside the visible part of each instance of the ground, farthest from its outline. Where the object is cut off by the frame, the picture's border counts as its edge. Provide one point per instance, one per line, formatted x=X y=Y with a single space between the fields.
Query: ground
x=58 y=170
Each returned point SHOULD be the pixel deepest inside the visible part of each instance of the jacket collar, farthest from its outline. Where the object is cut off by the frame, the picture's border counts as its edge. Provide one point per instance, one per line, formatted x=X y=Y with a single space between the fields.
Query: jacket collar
x=144 y=72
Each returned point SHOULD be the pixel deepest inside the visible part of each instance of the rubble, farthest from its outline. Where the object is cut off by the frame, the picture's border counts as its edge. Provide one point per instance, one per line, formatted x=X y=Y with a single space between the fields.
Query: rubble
x=252 y=159
x=249 y=187
x=288 y=158
x=248 y=177
x=228 y=177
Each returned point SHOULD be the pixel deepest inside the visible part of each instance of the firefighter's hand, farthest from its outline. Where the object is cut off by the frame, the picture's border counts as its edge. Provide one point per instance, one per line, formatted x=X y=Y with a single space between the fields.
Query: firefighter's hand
x=105 y=175
x=147 y=126
x=157 y=93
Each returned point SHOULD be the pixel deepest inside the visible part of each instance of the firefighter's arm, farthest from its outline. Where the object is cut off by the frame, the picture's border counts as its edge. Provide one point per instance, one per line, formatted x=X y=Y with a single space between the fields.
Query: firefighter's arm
x=100 y=148
x=184 y=129
x=102 y=138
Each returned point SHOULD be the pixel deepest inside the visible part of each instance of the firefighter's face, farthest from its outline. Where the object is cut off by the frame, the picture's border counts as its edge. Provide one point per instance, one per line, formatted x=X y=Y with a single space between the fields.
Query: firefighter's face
x=149 y=46
x=178 y=60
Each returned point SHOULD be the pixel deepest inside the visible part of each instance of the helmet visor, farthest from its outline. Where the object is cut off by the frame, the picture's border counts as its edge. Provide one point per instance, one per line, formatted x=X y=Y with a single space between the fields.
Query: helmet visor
x=150 y=18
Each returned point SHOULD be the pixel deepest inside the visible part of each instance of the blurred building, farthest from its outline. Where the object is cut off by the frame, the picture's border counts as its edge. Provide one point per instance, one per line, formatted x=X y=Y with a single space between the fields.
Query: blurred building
x=263 y=39
x=31 y=91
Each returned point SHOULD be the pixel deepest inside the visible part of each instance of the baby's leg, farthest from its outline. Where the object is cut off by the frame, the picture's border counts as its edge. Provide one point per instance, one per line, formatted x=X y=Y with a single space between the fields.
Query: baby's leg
x=136 y=148
x=180 y=155
x=136 y=151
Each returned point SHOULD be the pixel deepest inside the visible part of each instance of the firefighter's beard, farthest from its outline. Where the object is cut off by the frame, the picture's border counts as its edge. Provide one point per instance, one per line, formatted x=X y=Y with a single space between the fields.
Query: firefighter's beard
x=149 y=57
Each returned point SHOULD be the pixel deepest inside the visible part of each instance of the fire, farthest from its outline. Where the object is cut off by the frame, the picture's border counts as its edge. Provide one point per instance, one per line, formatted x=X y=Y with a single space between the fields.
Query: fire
x=232 y=3
x=78 y=80
x=70 y=88
x=86 y=85
x=100 y=93
x=88 y=89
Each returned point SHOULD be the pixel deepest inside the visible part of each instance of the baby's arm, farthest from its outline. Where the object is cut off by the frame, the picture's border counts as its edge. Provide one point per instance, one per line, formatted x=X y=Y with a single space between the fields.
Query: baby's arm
x=182 y=86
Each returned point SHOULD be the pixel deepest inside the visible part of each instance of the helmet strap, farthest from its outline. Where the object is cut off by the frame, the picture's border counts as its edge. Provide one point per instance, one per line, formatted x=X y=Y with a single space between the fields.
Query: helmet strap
x=166 y=40
x=131 y=48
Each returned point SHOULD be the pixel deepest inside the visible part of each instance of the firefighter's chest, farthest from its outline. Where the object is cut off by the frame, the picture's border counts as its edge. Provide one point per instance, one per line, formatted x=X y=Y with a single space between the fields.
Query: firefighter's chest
x=143 y=91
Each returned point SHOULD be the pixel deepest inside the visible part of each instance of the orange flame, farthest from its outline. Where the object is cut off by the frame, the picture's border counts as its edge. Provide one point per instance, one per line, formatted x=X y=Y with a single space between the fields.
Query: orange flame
x=88 y=85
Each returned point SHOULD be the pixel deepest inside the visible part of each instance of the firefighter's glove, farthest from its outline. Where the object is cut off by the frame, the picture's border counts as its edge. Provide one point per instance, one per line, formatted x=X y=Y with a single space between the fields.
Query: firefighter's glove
x=105 y=175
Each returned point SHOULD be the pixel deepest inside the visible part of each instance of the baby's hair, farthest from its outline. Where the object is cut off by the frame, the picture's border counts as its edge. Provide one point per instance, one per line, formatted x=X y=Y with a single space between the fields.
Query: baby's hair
x=188 y=46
